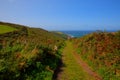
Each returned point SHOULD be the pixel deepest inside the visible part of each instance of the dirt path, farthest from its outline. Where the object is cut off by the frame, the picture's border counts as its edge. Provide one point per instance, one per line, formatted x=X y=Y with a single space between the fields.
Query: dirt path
x=86 y=68
x=74 y=67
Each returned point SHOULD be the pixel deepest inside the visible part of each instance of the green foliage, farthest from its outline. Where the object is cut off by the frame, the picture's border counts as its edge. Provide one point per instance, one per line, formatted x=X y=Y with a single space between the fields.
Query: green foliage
x=102 y=52
x=28 y=53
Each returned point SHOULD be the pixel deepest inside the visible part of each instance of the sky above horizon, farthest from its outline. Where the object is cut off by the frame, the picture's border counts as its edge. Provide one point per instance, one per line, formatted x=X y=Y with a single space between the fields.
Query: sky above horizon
x=63 y=14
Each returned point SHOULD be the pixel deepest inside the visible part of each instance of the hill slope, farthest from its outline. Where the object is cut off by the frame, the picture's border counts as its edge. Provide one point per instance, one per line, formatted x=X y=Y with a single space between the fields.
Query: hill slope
x=28 y=53
x=5 y=29
x=57 y=33
x=101 y=51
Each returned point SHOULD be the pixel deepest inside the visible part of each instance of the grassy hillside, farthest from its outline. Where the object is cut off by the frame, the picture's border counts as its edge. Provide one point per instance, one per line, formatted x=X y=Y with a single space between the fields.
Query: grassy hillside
x=57 y=33
x=101 y=50
x=28 y=53
x=5 y=29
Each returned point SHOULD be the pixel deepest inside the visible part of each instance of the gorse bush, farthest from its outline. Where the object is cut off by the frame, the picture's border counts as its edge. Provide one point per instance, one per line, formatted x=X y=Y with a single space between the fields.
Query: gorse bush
x=102 y=52
x=28 y=53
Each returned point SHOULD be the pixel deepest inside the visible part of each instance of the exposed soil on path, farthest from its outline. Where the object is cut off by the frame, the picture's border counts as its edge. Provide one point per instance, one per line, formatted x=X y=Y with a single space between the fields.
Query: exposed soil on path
x=86 y=68
x=73 y=67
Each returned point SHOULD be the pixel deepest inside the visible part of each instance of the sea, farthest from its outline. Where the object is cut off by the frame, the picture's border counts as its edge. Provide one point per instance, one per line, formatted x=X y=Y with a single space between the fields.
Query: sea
x=80 y=33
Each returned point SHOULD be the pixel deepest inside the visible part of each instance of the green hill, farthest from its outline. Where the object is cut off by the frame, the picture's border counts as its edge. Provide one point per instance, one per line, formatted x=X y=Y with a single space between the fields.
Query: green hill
x=101 y=50
x=57 y=33
x=28 y=53
x=5 y=29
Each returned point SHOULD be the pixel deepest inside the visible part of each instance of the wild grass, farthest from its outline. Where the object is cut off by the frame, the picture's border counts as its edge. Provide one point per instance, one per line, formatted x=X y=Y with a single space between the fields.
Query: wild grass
x=5 y=29
x=102 y=52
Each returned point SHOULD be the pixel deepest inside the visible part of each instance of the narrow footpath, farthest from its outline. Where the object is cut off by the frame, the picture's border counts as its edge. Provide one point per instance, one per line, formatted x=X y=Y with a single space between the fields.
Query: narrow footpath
x=74 y=67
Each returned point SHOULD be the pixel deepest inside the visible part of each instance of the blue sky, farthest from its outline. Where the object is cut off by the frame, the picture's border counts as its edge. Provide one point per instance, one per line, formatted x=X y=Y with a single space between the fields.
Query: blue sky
x=63 y=14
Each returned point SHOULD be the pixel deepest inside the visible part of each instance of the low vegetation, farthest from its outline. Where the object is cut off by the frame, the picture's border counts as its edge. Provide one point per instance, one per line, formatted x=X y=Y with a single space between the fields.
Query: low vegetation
x=101 y=50
x=28 y=53
x=5 y=29
x=60 y=34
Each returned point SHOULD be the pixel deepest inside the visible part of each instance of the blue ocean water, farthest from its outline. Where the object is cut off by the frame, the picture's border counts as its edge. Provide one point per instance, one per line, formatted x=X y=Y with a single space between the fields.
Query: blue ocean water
x=79 y=33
